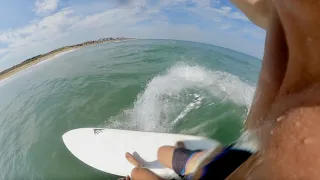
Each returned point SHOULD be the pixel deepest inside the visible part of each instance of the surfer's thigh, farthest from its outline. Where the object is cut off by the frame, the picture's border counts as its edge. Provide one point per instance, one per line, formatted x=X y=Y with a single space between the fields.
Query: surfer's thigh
x=181 y=160
x=165 y=155
x=143 y=174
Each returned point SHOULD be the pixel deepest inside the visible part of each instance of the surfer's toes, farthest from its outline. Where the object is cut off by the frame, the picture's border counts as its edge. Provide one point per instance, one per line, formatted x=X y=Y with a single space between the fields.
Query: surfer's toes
x=180 y=144
x=132 y=160
x=128 y=155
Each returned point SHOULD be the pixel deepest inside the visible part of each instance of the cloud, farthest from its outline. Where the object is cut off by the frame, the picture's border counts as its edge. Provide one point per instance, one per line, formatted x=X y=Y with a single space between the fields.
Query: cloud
x=113 y=18
x=3 y=51
x=128 y=2
x=47 y=28
x=237 y=15
x=67 y=20
x=213 y=10
x=131 y=19
x=256 y=33
x=224 y=10
x=46 y=6
x=225 y=27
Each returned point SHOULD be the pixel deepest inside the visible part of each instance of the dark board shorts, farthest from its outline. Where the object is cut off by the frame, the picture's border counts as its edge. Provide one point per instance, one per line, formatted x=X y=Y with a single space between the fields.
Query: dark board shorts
x=180 y=159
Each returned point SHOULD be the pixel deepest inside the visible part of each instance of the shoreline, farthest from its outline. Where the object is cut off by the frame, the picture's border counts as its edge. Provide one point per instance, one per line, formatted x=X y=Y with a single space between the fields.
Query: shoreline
x=43 y=57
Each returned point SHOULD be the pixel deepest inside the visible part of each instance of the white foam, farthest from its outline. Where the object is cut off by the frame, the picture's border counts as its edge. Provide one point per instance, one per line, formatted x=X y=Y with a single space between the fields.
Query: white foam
x=166 y=99
x=198 y=130
x=193 y=105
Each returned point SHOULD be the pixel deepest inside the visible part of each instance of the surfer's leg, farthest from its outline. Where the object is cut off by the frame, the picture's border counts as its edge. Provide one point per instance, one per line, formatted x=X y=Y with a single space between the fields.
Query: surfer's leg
x=165 y=154
x=183 y=161
x=290 y=149
x=140 y=173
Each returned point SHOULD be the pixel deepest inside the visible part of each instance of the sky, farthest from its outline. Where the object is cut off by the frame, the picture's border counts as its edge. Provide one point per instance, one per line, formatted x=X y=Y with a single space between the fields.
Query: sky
x=32 y=27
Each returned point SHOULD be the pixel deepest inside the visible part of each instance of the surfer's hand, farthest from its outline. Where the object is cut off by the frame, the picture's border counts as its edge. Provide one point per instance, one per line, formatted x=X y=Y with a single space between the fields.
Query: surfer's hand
x=257 y=11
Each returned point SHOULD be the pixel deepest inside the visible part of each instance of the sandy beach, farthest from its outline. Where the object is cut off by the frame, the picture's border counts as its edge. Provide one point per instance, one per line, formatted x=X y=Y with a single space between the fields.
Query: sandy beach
x=43 y=57
x=27 y=65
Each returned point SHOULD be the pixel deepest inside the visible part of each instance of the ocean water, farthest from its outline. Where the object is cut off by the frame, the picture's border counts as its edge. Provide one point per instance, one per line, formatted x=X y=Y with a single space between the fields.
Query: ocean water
x=148 y=85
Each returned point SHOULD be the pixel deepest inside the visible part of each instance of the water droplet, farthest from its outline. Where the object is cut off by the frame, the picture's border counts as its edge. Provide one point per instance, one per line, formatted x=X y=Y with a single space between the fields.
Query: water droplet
x=307 y=141
x=279 y=118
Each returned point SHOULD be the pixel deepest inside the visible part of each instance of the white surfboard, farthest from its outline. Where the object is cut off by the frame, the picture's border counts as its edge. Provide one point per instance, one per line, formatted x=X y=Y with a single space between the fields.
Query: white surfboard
x=105 y=149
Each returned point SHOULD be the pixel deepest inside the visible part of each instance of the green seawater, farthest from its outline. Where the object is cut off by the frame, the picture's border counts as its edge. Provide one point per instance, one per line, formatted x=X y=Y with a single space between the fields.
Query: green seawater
x=148 y=85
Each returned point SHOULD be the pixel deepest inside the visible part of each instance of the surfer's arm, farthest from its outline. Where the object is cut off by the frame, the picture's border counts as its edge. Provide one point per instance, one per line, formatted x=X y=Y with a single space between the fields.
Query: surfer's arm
x=256 y=11
x=272 y=74
x=289 y=134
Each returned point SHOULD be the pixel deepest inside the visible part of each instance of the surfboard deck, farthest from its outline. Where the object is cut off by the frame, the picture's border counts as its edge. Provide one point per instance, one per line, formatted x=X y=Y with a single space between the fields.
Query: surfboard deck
x=104 y=149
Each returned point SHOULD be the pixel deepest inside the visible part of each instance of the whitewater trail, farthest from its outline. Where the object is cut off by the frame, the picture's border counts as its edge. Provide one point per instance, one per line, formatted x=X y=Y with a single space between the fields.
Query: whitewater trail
x=169 y=97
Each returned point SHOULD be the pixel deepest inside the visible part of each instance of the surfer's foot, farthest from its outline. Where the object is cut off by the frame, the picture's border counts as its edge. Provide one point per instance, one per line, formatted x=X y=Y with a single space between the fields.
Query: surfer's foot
x=180 y=144
x=132 y=160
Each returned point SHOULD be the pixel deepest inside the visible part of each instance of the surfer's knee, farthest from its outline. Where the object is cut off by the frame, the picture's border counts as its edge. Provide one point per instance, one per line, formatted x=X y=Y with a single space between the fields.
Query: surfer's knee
x=162 y=151
x=136 y=172
x=143 y=173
